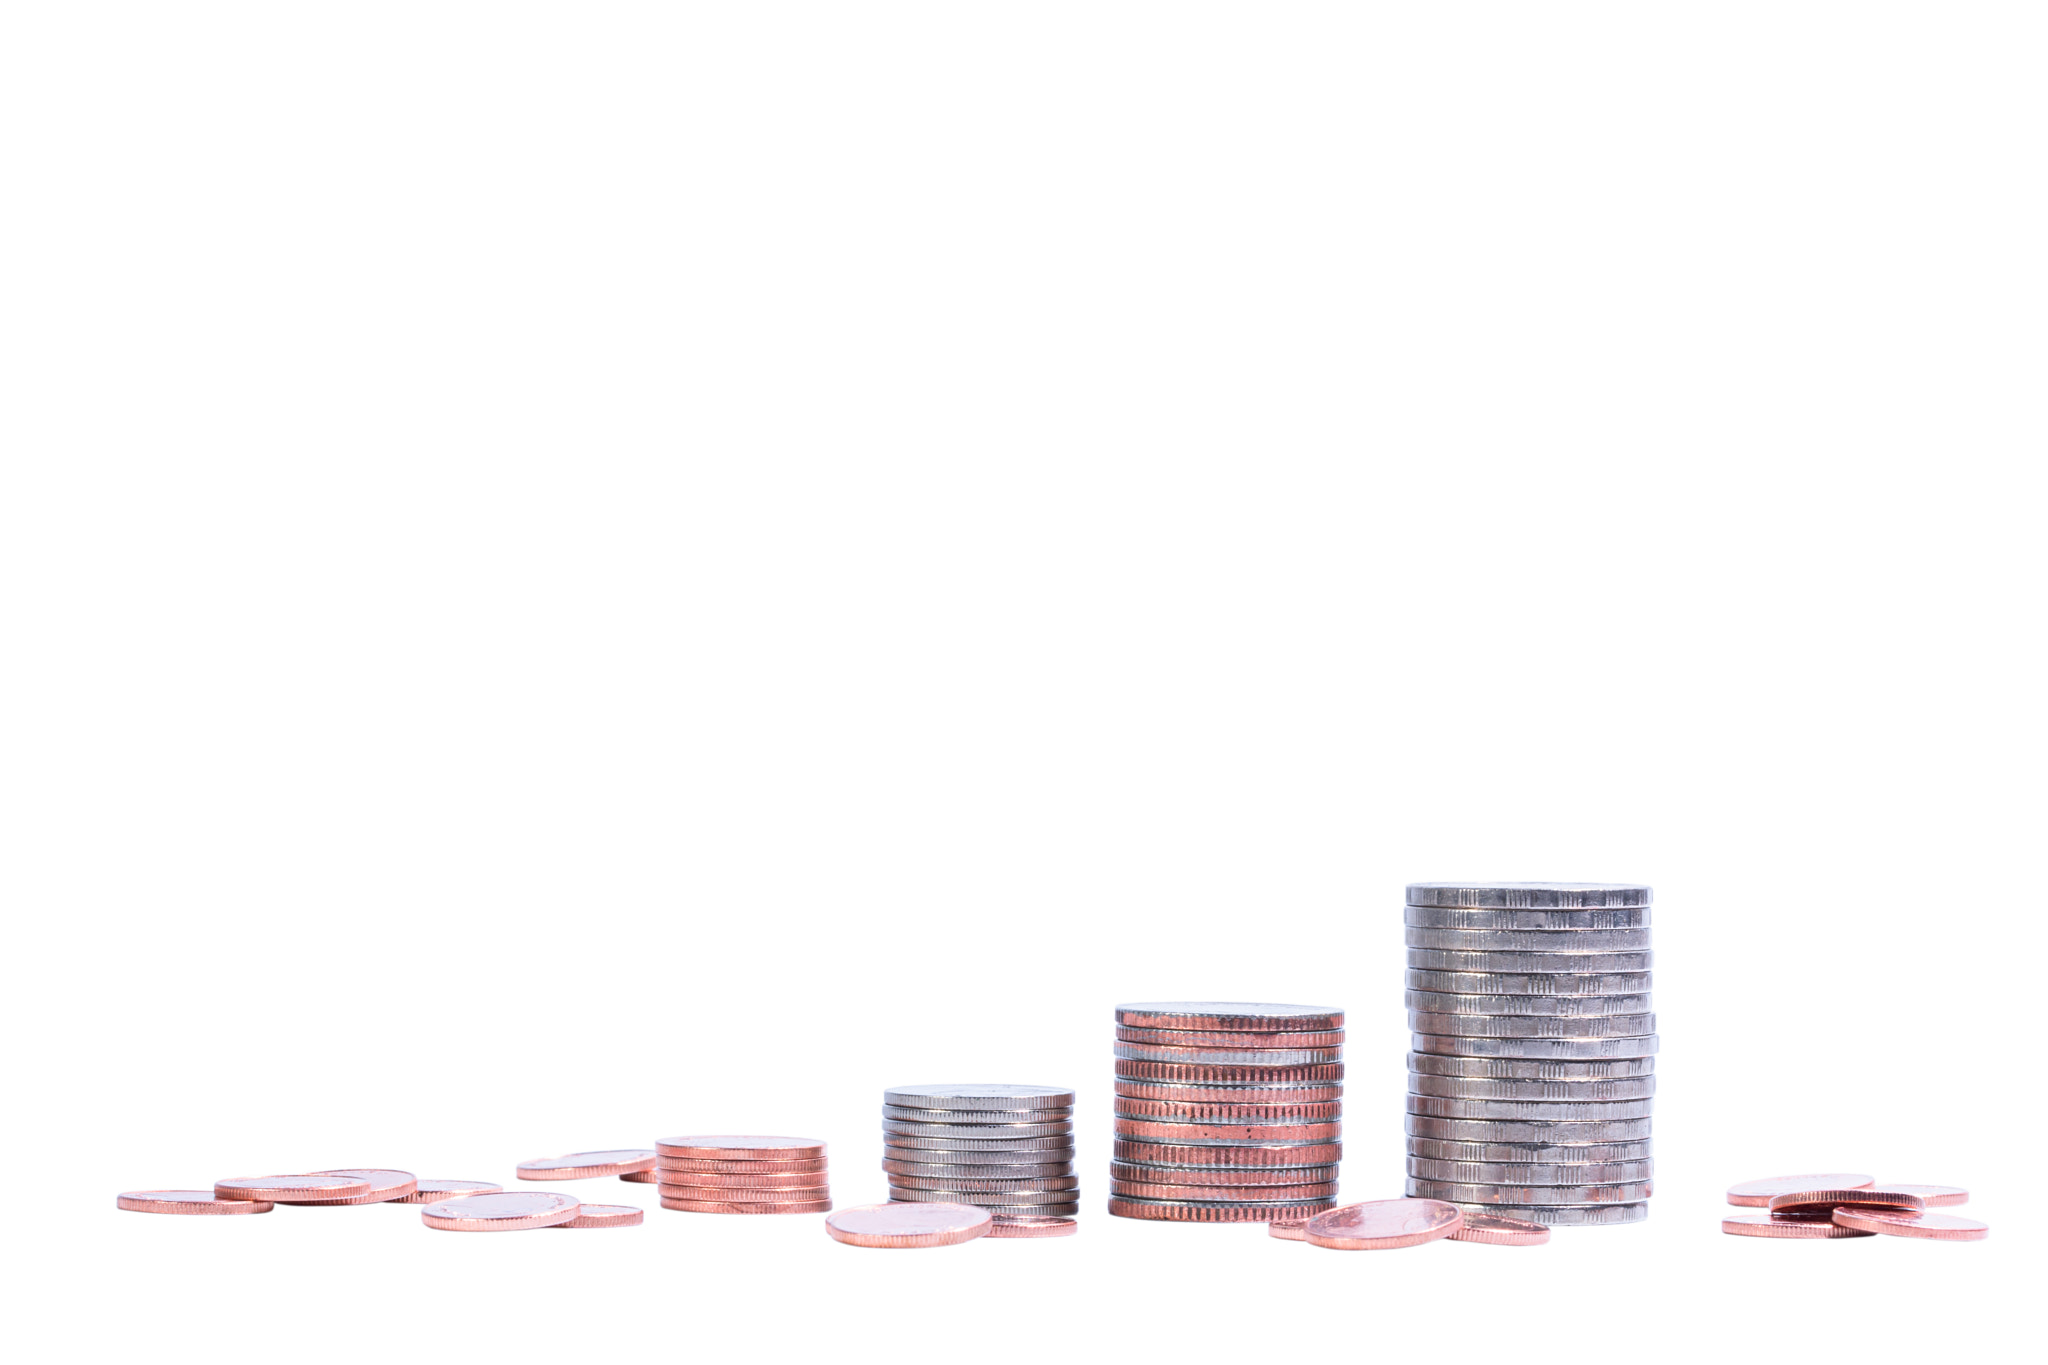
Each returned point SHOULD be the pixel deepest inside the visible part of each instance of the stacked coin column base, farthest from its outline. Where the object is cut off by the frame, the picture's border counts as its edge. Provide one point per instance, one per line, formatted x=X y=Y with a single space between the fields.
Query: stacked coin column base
x=1005 y=1148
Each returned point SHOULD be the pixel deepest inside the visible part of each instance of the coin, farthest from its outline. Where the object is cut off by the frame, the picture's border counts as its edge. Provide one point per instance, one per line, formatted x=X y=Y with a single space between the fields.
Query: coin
x=1757 y=1194
x=1452 y=1193
x=1574 y=1110
x=1448 y=917
x=187 y=1201
x=976 y=1117
x=1175 y=1073
x=291 y=1189
x=1514 y=1130
x=1006 y=1226
x=1511 y=1153
x=1581 y=1215
x=735 y=1206
x=1227 y=1113
x=1155 y=1131
x=1141 y=1172
x=1492 y=960
x=434 y=1191
x=1197 y=1038
x=747 y=1147
x=978 y=1131
x=1160 y=1210
x=1530 y=1068
x=908 y=1225
x=1822 y=1200
x=1229 y=1094
x=1288 y=1231
x=386 y=1187
x=919 y=1182
x=1554 y=1006
x=1934 y=1196
x=605 y=1216
x=1937 y=1227
x=502 y=1212
x=1529 y=895
x=981 y=1198
x=1382 y=1224
x=1496 y=1230
x=686 y=1163
x=746 y=1194
x=982 y=1201
x=1530 y=1026
x=1526 y=1173
x=1531 y=983
x=1560 y=1049
x=1230 y=1017
x=956 y=1096
x=1127 y=1189
x=1058 y=1142
x=1264 y=1154
x=1471 y=1088
x=980 y=1167
x=1305 y=1056
x=735 y=1180
x=586 y=1165
x=1562 y=941
x=1788 y=1229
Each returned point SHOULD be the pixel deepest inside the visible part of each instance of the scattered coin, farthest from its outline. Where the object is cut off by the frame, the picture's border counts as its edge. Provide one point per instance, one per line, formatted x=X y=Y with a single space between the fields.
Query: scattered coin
x=908 y=1225
x=386 y=1187
x=1529 y=895
x=291 y=1189
x=1382 y=1224
x=1288 y=1231
x=587 y=1165
x=1825 y=1200
x=187 y=1201
x=1787 y=1229
x=749 y=1147
x=1934 y=1196
x=1935 y=1227
x=1497 y=1230
x=1006 y=1226
x=434 y=1191
x=735 y=1206
x=640 y=1177
x=1230 y=1016
x=503 y=1212
x=605 y=1216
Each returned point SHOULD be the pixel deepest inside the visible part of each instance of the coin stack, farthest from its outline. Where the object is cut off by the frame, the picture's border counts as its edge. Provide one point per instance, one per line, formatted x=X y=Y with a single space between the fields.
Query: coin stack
x=1530 y=1082
x=1227 y=1113
x=743 y=1174
x=1006 y=1148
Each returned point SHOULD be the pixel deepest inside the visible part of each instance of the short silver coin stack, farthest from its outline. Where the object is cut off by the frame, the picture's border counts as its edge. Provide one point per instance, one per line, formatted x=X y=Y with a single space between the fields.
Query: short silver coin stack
x=1530 y=1083
x=1006 y=1148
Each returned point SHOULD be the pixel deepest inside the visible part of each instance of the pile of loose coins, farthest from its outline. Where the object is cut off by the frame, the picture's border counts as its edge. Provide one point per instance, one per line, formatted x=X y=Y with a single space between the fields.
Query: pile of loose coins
x=1005 y=1148
x=914 y=1224
x=1227 y=1113
x=447 y=1205
x=1832 y=1207
x=742 y=1174
x=1531 y=1080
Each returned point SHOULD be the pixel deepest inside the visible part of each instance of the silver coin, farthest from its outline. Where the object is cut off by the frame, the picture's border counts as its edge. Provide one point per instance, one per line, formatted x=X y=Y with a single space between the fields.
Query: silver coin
x=908 y=1195
x=1574 y=1111
x=979 y=1170
x=976 y=1116
x=961 y=1095
x=1564 y=942
x=1557 y=1049
x=1041 y=1183
x=1529 y=895
x=1063 y=1144
x=1553 y=1195
x=1530 y=1153
x=1242 y=1178
x=1531 y=983
x=1530 y=1068
x=1530 y=1025
x=1306 y=1056
x=1553 y=1006
x=1226 y=1016
x=1573 y=1215
x=1551 y=964
x=1525 y=1130
x=1527 y=1173
x=979 y=1131
x=1447 y=917
x=1481 y=1088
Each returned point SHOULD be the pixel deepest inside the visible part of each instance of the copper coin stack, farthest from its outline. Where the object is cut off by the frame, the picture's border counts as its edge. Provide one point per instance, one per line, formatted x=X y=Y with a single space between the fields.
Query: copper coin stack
x=1530 y=1085
x=725 y=1173
x=1227 y=1113
x=1005 y=1148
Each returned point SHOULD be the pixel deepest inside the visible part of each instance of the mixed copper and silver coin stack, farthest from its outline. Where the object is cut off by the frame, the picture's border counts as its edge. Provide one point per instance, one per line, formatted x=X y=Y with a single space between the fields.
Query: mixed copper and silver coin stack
x=1227 y=1113
x=1530 y=1081
x=742 y=1174
x=1005 y=1148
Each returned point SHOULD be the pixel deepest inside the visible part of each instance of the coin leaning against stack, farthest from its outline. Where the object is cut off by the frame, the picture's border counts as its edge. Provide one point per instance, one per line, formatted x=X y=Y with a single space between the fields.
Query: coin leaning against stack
x=1531 y=1081
x=1227 y=1113
x=1005 y=1148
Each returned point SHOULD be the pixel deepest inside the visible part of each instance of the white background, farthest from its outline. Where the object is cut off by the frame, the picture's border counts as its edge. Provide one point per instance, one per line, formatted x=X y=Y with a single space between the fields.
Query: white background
x=575 y=573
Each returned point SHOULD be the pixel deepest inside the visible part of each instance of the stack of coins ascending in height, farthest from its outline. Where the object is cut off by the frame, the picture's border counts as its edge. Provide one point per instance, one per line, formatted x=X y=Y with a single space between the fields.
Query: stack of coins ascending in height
x=1227 y=1113
x=1006 y=1148
x=1530 y=1084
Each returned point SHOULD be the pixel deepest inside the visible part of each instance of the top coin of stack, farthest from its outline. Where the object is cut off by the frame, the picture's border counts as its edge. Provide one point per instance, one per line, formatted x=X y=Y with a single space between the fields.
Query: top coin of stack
x=1227 y=1113
x=744 y=1174
x=1005 y=1148
x=1530 y=1082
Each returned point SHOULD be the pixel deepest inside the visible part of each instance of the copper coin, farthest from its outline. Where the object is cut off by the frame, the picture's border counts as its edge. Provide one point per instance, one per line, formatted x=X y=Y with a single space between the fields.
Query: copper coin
x=1204 y=1038
x=1229 y=1017
x=1288 y=1232
x=1934 y=1196
x=1182 y=1073
x=735 y=1206
x=1822 y=1200
x=504 y=1212
x=291 y=1189
x=587 y=1165
x=1497 y=1231
x=1319 y=1093
x=1005 y=1225
x=1155 y=1131
x=1758 y=1194
x=187 y=1201
x=743 y=1147
x=1222 y=1194
x=1383 y=1224
x=386 y=1187
x=1935 y=1227
x=908 y=1225
x=685 y=1163
x=1274 y=1154
x=735 y=1180
x=726 y=1194
x=1226 y=1113
x=1787 y=1229
x=1226 y=1176
x=605 y=1216
x=434 y=1191
x=1180 y=1211
x=641 y=1177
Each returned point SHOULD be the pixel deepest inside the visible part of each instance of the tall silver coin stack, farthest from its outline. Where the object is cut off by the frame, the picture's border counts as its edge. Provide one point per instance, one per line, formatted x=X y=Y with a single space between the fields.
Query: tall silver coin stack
x=1006 y=1148
x=1530 y=1085
x=1227 y=1113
